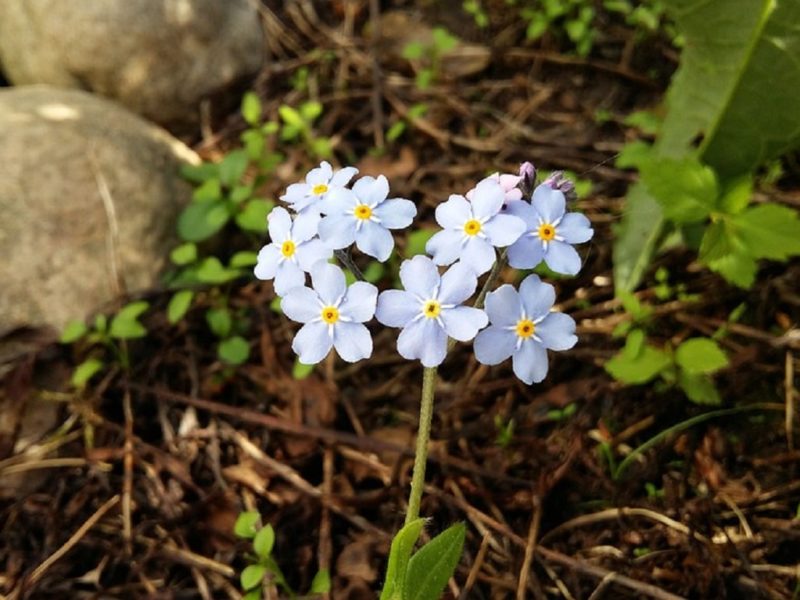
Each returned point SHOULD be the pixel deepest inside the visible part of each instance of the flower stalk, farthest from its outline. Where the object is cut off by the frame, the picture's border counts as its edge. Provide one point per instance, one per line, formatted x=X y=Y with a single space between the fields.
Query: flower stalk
x=423 y=437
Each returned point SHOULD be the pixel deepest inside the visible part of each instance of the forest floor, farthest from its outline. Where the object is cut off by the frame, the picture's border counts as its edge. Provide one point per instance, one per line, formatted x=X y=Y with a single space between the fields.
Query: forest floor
x=151 y=466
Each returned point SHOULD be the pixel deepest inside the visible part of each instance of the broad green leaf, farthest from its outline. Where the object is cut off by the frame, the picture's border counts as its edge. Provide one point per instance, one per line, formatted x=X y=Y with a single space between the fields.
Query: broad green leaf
x=263 y=541
x=234 y=350
x=717 y=242
x=125 y=324
x=199 y=173
x=635 y=367
x=699 y=388
x=212 y=271
x=178 y=305
x=233 y=167
x=246 y=524
x=700 y=356
x=200 y=221
x=769 y=231
x=240 y=193
x=633 y=155
x=636 y=238
x=219 y=321
x=254 y=215
x=433 y=564
x=686 y=190
x=254 y=594
x=736 y=195
x=184 y=254
x=252 y=576
x=209 y=191
x=251 y=108
x=738 y=267
x=85 y=371
x=321 y=584
x=399 y=555
x=74 y=331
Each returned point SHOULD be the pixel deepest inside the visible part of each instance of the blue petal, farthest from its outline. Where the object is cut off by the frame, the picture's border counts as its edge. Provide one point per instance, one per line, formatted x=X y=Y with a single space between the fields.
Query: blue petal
x=280 y=224
x=458 y=284
x=296 y=192
x=304 y=227
x=311 y=252
x=537 y=297
x=526 y=212
x=479 y=255
x=488 y=198
x=337 y=231
x=396 y=213
x=419 y=276
x=352 y=341
x=301 y=304
x=359 y=303
x=375 y=240
x=445 y=246
x=526 y=253
x=549 y=203
x=562 y=258
x=371 y=191
x=423 y=339
x=463 y=322
x=494 y=344
x=328 y=281
x=557 y=331
x=453 y=213
x=503 y=306
x=396 y=308
x=575 y=228
x=321 y=174
x=504 y=230
x=530 y=362
x=312 y=343
x=338 y=201
x=343 y=176
x=268 y=259
x=287 y=277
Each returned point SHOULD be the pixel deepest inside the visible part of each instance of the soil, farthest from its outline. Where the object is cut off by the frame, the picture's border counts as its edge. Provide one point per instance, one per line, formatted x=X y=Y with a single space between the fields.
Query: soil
x=147 y=469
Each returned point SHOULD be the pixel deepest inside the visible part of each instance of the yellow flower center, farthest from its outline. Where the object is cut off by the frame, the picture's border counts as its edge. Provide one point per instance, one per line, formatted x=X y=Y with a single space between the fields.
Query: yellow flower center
x=546 y=232
x=472 y=227
x=432 y=309
x=362 y=211
x=525 y=328
x=330 y=314
x=287 y=248
x=319 y=189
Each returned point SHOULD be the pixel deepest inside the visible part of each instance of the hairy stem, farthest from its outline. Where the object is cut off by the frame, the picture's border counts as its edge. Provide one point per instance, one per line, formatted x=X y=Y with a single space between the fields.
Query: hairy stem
x=423 y=435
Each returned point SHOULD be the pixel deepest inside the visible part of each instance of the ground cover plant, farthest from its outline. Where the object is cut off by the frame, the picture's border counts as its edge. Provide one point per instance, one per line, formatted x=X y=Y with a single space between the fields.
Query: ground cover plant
x=249 y=429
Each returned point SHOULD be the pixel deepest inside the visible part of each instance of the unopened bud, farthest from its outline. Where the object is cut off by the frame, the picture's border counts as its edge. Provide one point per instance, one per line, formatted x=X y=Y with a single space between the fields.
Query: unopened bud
x=559 y=182
x=527 y=172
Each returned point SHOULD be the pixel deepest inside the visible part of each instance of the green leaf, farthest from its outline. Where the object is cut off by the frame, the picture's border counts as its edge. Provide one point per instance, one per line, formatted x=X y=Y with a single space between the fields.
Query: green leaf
x=246 y=524
x=645 y=121
x=443 y=40
x=716 y=242
x=637 y=363
x=310 y=111
x=374 y=272
x=219 y=321
x=736 y=195
x=699 y=388
x=199 y=221
x=413 y=50
x=85 y=371
x=233 y=167
x=240 y=193
x=254 y=215
x=263 y=541
x=636 y=238
x=251 y=108
x=322 y=147
x=125 y=324
x=321 y=584
x=178 y=305
x=686 y=190
x=292 y=118
x=537 y=26
x=199 y=173
x=402 y=546
x=634 y=154
x=433 y=564
x=184 y=254
x=301 y=371
x=234 y=350
x=417 y=241
x=737 y=267
x=254 y=594
x=395 y=131
x=252 y=576
x=74 y=331
x=700 y=356
x=243 y=259
x=211 y=270
x=209 y=191
x=769 y=231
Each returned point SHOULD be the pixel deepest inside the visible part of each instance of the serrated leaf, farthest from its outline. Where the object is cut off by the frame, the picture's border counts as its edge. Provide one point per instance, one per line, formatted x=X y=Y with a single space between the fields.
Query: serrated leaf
x=178 y=305
x=251 y=108
x=699 y=388
x=85 y=371
x=263 y=541
x=769 y=231
x=686 y=190
x=246 y=524
x=399 y=555
x=252 y=575
x=434 y=564
x=737 y=267
x=74 y=331
x=234 y=350
x=254 y=215
x=184 y=254
x=199 y=221
x=700 y=356
x=219 y=321
x=233 y=167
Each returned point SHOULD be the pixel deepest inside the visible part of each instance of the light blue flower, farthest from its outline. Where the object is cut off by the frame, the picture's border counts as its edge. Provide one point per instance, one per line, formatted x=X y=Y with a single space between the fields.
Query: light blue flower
x=363 y=215
x=429 y=310
x=523 y=327
x=333 y=315
x=549 y=232
x=319 y=182
x=472 y=230
x=293 y=251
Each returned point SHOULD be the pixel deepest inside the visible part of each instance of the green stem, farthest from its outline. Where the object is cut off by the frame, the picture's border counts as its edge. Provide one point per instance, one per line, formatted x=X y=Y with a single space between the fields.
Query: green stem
x=423 y=435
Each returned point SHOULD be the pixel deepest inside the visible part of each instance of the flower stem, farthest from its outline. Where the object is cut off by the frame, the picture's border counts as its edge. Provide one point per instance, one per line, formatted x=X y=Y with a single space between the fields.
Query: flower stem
x=423 y=435
x=347 y=262
x=491 y=279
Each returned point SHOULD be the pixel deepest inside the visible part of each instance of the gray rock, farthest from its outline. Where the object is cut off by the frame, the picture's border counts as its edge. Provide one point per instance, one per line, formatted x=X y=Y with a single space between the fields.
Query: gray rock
x=157 y=57
x=89 y=194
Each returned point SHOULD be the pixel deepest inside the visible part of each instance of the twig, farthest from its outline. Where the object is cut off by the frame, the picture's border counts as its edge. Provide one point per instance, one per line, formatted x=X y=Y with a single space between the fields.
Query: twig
x=127 y=463
x=476 y=566
x=377 y=105
x=788 y=383
x=530 y=547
